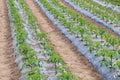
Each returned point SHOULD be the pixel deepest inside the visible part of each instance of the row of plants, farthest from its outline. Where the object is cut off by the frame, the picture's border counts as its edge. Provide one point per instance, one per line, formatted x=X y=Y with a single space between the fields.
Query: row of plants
x=30 y=58
x=114 y=2
x=85 y=30
x=85 y=24
x=81 y=21
x=100 y=11
x=54 y=57
x=108 y=5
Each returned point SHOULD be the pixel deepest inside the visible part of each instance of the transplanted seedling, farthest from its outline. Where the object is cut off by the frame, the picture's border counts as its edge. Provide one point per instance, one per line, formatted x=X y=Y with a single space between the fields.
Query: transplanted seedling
x=56 y=58
x=34 y=74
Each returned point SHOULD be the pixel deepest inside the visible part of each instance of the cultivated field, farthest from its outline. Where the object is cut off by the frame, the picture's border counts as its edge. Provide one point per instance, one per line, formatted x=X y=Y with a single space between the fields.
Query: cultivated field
x=59 y=39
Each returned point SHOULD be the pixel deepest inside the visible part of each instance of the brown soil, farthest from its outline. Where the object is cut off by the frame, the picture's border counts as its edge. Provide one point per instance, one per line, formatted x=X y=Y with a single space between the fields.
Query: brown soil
x=88 y=18
x=8 y=68
x=77 y=62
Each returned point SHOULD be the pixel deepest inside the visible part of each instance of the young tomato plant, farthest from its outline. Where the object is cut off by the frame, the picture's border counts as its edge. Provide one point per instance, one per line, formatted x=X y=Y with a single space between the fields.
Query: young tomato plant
x=56 y=58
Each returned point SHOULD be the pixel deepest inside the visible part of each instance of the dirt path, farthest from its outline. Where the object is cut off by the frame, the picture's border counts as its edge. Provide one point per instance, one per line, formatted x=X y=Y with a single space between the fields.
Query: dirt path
x=88 y=18
x=8 y=68
x=78 y=64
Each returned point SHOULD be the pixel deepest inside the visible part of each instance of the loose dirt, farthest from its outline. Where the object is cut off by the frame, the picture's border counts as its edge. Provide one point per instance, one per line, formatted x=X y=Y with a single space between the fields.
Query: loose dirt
x=8 y=68
x=77 y=62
